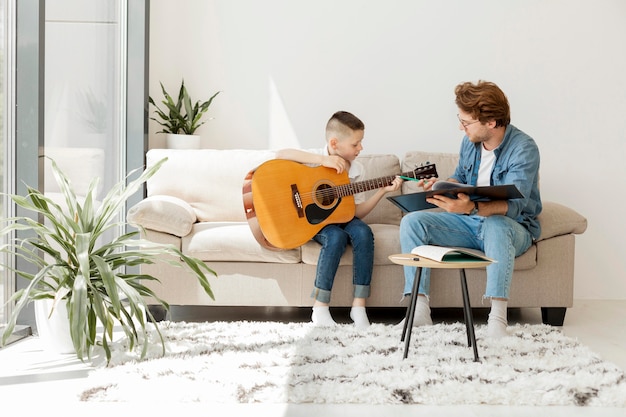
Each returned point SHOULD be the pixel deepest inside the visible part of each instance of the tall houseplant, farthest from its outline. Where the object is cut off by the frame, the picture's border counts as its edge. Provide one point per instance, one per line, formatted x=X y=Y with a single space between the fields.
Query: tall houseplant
x=75 y=264
x=180 y=117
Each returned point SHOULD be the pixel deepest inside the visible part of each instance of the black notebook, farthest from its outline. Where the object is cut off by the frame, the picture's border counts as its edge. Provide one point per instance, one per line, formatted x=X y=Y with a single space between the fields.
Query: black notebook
x=417 y=201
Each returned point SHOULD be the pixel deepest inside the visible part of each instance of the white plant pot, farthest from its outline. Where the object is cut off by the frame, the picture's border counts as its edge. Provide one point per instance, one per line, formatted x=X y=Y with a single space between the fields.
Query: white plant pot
x=177 y=141
x=54 y=330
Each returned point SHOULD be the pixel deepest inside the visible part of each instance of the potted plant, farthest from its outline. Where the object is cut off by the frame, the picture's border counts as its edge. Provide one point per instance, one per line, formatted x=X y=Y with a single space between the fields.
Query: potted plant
x=79 y=269
x=181 y=117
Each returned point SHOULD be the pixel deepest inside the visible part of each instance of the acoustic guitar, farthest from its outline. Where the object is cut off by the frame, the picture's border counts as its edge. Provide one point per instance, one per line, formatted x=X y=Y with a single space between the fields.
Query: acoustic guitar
x=287 y=203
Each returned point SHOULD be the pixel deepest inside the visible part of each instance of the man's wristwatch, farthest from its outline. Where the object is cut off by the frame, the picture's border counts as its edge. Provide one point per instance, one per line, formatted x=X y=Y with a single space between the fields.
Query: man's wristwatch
x=474 y=210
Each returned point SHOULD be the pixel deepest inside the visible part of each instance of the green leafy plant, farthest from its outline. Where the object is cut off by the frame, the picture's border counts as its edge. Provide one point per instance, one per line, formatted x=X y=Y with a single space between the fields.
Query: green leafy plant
x=77 y=264
x=180 y=116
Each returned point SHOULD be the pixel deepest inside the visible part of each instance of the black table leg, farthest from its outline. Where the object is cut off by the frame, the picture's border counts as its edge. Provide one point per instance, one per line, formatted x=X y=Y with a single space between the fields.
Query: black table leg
x=410 y=312
x=469 y=318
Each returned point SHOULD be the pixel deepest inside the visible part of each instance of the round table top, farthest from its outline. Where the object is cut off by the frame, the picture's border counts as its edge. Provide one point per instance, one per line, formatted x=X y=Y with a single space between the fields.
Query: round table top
x=409 y=259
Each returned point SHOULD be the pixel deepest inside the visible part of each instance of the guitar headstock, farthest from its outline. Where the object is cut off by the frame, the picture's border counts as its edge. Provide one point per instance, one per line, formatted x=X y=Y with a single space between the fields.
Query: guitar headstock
x=422 y=172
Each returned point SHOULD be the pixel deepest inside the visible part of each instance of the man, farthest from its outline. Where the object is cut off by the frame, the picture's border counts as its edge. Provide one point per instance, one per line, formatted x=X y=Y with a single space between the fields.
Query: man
x=493 y=152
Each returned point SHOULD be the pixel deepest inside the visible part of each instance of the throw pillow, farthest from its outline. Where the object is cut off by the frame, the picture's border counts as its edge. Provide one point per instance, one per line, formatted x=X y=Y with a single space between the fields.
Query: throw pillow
x=164 y=214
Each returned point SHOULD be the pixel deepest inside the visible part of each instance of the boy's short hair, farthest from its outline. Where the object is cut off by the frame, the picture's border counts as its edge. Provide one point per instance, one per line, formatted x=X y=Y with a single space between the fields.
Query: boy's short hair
x=342 y=124
x=484 y=101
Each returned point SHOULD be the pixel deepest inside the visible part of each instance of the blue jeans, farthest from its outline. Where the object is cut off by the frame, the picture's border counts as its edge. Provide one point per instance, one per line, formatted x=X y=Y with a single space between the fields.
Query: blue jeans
x=499 y=237
x=334 y=239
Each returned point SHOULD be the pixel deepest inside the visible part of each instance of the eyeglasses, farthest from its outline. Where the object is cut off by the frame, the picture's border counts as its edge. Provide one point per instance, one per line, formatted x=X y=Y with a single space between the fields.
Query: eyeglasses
x=466 y=123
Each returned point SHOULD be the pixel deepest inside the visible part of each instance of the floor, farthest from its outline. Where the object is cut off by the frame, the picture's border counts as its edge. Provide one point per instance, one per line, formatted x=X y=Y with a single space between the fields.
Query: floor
x=34 y=379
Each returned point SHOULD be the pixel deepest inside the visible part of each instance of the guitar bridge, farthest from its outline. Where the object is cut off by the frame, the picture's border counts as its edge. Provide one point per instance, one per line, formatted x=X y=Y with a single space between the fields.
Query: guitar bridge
x=297 y=201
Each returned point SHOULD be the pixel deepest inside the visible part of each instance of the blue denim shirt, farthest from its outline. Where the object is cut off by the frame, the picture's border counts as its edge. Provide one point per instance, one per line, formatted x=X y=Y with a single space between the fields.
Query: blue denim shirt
x=517 y=162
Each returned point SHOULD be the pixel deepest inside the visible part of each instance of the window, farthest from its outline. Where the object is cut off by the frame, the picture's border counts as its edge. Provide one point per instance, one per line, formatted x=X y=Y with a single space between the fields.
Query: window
x=89 y=119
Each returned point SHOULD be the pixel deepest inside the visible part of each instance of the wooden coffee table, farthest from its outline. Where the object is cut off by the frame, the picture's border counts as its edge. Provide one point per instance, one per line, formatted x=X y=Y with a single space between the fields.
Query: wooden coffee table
x=408 y=259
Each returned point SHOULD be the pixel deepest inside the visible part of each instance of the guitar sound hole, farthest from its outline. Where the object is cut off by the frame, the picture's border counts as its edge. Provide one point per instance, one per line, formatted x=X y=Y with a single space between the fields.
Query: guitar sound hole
x=324 y=195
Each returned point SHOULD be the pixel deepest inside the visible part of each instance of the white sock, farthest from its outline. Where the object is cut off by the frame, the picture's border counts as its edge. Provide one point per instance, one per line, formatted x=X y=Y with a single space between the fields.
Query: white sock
x=359 y=317
x=321 y=316
x=496 y=324
x=422 y=312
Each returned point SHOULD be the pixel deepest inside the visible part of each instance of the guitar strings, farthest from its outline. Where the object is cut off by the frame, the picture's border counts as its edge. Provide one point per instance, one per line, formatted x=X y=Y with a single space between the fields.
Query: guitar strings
x=372 y=183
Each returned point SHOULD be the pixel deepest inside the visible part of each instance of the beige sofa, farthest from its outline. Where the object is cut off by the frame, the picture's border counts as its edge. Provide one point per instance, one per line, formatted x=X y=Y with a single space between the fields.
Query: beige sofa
x=195 y=202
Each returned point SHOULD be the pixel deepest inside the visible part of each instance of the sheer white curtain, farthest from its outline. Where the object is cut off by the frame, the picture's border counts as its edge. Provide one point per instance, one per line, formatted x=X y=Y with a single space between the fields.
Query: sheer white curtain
x=84 y=79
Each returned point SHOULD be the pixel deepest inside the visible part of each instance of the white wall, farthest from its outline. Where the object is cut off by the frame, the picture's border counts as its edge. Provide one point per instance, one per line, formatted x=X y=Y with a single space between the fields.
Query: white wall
x=285 y=66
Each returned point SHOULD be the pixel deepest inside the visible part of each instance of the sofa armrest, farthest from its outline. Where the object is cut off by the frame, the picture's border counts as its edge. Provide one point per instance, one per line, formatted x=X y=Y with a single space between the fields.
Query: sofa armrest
x=164 y=214
x=557 y=219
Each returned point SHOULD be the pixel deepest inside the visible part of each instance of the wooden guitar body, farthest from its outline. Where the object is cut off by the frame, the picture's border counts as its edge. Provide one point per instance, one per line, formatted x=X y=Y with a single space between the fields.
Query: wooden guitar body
x=287 y=203
x=292 y=202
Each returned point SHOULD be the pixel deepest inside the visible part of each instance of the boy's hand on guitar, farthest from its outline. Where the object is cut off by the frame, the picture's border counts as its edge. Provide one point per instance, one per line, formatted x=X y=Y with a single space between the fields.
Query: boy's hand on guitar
x=335 y=162
x=395 y=185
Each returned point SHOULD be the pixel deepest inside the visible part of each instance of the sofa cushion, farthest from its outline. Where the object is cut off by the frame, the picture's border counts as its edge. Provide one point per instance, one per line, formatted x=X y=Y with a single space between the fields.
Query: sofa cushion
x=163 y=213
x=387 y=242
x=557 y=219
x=379 y=166
x=527 y=260
x=210 y=180
x=231 y=242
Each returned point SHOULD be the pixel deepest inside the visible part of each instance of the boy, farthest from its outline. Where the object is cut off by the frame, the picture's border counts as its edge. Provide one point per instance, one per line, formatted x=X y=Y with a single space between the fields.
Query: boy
x=344 y=136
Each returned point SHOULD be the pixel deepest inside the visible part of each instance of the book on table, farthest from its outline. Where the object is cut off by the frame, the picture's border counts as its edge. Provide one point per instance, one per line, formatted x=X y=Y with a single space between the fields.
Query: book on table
x=417 y=201
x=449 y=254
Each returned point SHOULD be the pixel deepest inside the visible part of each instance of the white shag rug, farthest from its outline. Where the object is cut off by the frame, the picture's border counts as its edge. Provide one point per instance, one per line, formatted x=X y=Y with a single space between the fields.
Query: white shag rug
x=268 y=362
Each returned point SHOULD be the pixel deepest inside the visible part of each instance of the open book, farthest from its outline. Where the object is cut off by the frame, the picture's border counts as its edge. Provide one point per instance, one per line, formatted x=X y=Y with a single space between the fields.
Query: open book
x=479 y=193
x=450 y=254
x=417 y=201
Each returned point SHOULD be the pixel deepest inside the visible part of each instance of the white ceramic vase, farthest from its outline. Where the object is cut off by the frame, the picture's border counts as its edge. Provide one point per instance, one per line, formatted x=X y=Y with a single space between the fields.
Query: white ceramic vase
x=178 y=141
x=54 y=330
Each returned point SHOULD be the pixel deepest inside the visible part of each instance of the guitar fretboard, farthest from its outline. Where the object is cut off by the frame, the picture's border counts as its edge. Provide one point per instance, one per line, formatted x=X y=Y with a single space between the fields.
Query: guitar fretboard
x=375 y=183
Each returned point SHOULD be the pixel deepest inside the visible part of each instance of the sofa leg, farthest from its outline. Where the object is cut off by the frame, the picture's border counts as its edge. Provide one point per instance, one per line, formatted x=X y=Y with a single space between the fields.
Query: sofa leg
x=554 y=316
x=158 y=311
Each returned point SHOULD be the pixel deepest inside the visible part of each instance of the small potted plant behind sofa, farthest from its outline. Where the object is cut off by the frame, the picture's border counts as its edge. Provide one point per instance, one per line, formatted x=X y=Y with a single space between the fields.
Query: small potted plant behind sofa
x=79 y=270
x=181 y=118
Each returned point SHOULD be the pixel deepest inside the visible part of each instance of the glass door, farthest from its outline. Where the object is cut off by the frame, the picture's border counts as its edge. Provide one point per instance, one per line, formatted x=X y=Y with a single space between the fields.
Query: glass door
x=74 y=103
x=84 y=108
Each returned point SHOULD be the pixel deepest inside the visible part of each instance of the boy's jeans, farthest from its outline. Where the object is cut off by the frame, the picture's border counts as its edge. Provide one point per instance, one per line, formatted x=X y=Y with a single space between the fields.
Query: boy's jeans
x=334 y=238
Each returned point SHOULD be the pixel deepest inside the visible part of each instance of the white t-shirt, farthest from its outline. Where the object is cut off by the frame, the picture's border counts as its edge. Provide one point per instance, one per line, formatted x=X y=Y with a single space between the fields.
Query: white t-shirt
x=355 y=173
x=487 y=159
